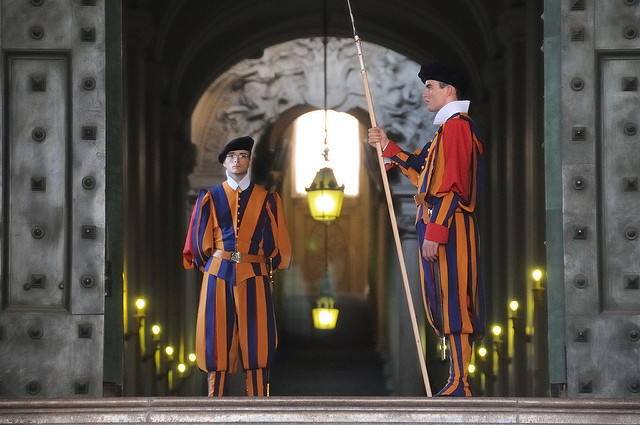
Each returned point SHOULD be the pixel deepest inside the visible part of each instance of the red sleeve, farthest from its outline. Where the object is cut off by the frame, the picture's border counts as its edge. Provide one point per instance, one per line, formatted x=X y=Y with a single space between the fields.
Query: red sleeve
x=457 y=152
x=187 y=251
x=391 y=150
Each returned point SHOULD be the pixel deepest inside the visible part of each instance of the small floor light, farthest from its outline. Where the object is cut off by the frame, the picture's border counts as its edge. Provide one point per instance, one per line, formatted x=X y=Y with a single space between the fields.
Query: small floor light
x=325 y=315
x=325 y=312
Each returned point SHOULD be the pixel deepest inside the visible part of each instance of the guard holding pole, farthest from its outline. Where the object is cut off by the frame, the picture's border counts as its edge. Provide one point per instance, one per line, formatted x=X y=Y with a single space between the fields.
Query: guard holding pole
x=445 y=171
x=446 y=174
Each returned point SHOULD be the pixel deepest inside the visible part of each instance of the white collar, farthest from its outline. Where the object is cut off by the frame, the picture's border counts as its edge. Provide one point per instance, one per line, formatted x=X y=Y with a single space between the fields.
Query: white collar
x=451 y=108
x=242 y=184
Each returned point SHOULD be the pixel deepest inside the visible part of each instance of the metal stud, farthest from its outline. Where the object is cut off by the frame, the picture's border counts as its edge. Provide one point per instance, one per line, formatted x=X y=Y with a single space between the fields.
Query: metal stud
x=88 y=2
x=37 y=3
x=88 y=182
x=630 y=84
x=631 y=233
x=89 y=132
x=577 y=84
x=88 y=232
x=81 y=388
x=35 y=332
x=85 y=330
x=87 y=281
x=578 y=134
x=632 y=281
x=578 y=5
x=33 y=387
x=36 y=32
x=38 y=184
x=634 y=387
x=577 y=34
x=630 y=129
x=88 y=34
x=580 y=232
x=630 y=184
x=582 y=335
x=38 y=83
x=580 y=281
x=89 y=83
x=37 y=281
x=633 y=335
x=37 y=232
x=630 y=2
x=630 y=32
x=38 y=134
x=585 y=387
x=579 y=183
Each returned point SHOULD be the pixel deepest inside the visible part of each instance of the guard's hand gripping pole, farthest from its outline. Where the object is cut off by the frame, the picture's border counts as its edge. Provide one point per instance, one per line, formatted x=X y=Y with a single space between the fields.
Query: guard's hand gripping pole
x=392 y=215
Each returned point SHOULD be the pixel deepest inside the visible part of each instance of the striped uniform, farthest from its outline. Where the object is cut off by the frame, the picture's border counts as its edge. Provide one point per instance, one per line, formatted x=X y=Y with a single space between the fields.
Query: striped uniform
x=236 y=307
x=445 y=171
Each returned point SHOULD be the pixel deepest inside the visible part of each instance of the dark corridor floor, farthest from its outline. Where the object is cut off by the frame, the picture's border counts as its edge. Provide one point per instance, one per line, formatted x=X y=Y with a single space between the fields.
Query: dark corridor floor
x=328 y=372
x=339 y=362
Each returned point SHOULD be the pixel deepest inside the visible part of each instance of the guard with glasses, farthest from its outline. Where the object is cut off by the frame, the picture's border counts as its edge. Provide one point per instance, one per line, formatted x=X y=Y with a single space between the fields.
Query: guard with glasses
x=237 y=237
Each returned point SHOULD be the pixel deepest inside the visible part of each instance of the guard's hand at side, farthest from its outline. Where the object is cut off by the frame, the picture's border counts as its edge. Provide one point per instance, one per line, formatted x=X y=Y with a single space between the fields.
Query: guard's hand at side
x=377 y=136
x=430 y=250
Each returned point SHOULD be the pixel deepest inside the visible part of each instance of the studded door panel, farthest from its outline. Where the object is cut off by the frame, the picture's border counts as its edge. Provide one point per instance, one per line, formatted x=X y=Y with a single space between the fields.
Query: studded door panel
x=53 y=204
x=601 y=201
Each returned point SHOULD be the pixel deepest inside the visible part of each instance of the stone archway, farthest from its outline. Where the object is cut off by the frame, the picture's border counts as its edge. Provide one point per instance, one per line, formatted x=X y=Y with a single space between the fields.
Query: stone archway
x=252 y=95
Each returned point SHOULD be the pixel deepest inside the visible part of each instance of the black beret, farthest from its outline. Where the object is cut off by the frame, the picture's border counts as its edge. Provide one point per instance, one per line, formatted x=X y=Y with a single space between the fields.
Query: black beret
x=241 y=143
x=444 y=73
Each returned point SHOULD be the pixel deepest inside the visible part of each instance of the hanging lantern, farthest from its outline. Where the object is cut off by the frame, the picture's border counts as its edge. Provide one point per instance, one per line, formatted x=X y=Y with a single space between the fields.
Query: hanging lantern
x=325 y=312
x=325 y=196
x=325 y=315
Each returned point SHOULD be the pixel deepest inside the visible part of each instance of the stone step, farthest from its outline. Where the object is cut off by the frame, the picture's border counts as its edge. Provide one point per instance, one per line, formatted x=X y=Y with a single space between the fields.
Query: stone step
x=320 y=410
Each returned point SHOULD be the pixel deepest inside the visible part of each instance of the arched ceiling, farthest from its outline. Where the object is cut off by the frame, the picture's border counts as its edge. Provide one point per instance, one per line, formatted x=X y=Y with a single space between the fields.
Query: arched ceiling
x=196 y=40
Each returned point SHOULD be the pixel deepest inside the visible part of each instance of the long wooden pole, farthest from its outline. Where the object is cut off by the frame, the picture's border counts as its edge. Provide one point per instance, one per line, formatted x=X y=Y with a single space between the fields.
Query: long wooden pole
x=392 y=215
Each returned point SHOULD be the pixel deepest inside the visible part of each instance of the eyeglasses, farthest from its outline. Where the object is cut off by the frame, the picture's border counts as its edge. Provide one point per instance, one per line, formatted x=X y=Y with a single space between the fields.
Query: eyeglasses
x=238 y=156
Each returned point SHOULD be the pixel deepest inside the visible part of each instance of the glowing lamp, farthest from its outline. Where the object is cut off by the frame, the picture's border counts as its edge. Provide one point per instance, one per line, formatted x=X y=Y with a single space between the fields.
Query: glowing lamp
x=513 y=305
x=325 y=315
x=325 y=196
x=537 y=275
x=497 y=330
x=140 y=303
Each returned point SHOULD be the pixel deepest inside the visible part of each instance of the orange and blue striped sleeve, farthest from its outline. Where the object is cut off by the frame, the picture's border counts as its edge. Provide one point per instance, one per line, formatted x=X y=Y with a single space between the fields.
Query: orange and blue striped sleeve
x=281 y=254
x=410 y=164
x=201 y=229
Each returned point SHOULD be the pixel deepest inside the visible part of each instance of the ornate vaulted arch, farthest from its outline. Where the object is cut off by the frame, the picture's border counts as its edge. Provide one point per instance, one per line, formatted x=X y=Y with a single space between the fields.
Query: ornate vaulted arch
x=257 y=97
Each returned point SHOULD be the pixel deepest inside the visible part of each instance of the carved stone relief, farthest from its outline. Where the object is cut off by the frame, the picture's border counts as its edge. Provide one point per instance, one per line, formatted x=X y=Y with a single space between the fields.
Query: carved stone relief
x=252 y=95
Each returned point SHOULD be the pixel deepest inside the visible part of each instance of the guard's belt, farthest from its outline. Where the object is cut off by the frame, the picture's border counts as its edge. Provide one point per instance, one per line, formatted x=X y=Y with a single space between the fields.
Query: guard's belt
x=239 y=257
